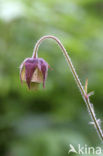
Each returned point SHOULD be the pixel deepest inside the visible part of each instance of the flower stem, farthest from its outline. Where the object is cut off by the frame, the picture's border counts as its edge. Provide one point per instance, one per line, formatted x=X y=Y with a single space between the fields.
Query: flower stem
x=79 y=84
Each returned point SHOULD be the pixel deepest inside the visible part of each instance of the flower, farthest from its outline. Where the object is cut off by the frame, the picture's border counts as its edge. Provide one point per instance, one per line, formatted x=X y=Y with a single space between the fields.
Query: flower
x=34 y=71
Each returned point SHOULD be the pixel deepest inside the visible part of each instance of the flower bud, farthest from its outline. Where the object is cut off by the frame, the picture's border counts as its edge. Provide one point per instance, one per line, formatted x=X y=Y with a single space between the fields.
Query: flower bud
x=34 y=71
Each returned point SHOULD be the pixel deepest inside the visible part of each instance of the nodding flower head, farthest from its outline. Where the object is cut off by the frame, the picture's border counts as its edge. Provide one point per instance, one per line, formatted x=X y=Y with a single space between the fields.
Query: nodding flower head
x=34 y=71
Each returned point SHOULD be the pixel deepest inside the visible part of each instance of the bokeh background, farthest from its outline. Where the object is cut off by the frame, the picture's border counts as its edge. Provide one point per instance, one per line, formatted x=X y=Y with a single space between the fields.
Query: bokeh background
x=45 y=122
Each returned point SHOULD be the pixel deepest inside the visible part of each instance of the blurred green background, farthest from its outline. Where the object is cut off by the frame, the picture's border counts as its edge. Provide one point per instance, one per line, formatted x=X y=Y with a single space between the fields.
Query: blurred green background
x=45 y=122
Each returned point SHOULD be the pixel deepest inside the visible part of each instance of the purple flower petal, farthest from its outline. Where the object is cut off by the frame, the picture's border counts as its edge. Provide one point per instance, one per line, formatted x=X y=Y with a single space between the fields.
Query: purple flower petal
x=30 y=66
x=44 y=69
x=21 y=68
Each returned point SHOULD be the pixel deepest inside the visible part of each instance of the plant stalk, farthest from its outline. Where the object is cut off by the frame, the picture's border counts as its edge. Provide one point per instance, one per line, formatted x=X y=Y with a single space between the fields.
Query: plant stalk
x=78 y=82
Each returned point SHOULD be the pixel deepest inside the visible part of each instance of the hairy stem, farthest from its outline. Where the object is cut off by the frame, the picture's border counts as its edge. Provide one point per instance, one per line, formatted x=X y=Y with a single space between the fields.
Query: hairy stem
x=83 y=93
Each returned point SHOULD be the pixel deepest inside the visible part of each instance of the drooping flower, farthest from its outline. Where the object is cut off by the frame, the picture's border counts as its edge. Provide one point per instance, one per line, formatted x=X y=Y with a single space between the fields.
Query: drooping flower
x=34 y=71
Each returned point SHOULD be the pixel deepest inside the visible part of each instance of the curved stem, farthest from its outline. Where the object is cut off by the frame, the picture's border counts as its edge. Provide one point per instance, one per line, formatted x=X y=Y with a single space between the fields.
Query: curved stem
x=83 y=93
